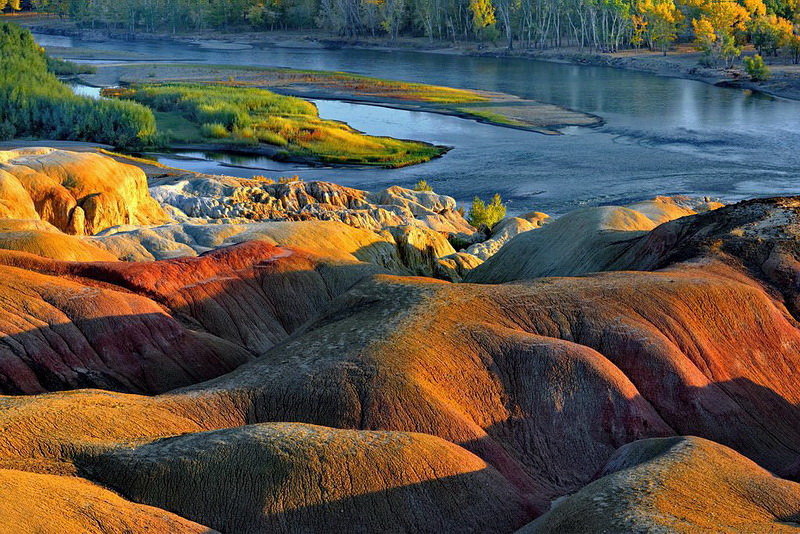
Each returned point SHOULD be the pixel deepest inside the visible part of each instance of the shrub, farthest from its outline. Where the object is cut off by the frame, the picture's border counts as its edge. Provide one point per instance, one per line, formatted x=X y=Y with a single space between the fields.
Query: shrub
x=481 y=214
x=756 y=68
x=271 y=138
x=61 y=67
x=422 y=185
x=7 y=131
x=214 y=130
x=37 y=104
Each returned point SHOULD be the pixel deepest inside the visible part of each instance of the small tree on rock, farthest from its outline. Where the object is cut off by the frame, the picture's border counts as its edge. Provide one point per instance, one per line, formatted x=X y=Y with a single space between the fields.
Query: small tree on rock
x=481 y=214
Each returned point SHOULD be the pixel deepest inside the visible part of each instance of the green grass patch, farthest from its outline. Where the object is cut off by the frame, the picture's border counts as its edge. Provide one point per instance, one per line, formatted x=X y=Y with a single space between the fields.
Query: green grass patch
x=355 y=84
x=177 y=128
x=229 y=114
x=490 y=116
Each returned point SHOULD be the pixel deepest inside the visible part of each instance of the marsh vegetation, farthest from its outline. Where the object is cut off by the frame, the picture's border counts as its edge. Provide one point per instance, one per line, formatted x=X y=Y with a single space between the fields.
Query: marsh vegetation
x=250 y=117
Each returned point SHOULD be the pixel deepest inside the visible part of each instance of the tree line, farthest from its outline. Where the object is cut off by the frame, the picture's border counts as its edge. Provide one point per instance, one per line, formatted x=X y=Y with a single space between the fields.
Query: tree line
x=34 y=103
x=718 y=27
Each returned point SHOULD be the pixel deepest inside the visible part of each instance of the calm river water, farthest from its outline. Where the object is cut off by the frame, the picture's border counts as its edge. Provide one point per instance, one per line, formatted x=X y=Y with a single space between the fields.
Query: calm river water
x=662 y=136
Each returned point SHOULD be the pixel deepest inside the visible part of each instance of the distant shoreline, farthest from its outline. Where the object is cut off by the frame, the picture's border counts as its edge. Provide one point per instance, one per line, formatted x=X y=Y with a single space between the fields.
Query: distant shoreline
x=683 y=63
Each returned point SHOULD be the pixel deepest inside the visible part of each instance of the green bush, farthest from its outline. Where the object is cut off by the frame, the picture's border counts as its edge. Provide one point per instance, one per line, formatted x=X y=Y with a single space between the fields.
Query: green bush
x=756 y=68
x=422 y=185
x=61 y=67
x=481 y=214
x=215 y=130
x=7 y=131
x=37 y=104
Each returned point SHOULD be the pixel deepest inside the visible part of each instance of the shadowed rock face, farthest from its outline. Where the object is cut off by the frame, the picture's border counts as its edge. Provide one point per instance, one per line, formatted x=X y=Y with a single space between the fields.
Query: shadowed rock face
x=677 y=485
x=78 y=193
x=585 y=241
x=32 y=502
x=285 y=477
x=93 y=332
x=576 y=366
x=580 y=242
x=761 y=236
x=63 y=334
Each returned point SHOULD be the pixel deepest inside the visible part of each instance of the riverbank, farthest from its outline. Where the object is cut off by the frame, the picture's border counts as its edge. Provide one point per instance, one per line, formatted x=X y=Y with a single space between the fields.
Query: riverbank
x=681 y=62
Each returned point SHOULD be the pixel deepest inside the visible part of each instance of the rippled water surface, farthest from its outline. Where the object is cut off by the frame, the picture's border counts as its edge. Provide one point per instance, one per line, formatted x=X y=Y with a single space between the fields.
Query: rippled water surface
x=661 y=136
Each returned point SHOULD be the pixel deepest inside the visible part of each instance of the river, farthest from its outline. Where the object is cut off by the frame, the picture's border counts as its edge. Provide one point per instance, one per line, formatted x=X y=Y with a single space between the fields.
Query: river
x=662 y=136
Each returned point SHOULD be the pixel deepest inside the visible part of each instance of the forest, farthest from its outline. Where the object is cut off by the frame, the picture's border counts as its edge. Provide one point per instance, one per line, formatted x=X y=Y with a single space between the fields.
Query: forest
x=34 y=103
x=718 y=27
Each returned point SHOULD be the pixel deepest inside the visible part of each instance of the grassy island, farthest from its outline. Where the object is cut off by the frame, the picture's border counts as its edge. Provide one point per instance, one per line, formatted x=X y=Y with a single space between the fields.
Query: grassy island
x=247 y=117
x=495 y=108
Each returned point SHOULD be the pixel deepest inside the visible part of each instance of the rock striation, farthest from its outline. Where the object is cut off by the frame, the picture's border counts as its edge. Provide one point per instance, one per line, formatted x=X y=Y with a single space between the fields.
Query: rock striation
x=60 y=333
x=290 y=477
x=31 y=502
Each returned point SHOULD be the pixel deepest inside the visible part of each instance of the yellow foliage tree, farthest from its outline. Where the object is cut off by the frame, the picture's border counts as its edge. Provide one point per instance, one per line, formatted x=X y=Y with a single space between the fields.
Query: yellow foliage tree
x=662 y=19
x=727 y=21
x=483 y=14
x=793 y=47
x=704 y=35
x=639 y=30
x=768 y=33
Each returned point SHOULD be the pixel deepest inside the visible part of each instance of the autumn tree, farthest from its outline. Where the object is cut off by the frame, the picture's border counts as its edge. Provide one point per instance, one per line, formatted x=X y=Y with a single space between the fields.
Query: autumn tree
x=392 y=16
x=705 y=38
x=639 y=30
x=13 y=5
x=482 y=15
x=721 y=29
x=662 y=19
x=769 y=33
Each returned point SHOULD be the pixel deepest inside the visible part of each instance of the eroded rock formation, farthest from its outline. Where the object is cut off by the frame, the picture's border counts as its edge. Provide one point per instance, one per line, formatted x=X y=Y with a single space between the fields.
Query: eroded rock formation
x=289 y=477
x=319 y=384
x=201 y=196
x=677 y=485
x=78 y=193
x=31 y=502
